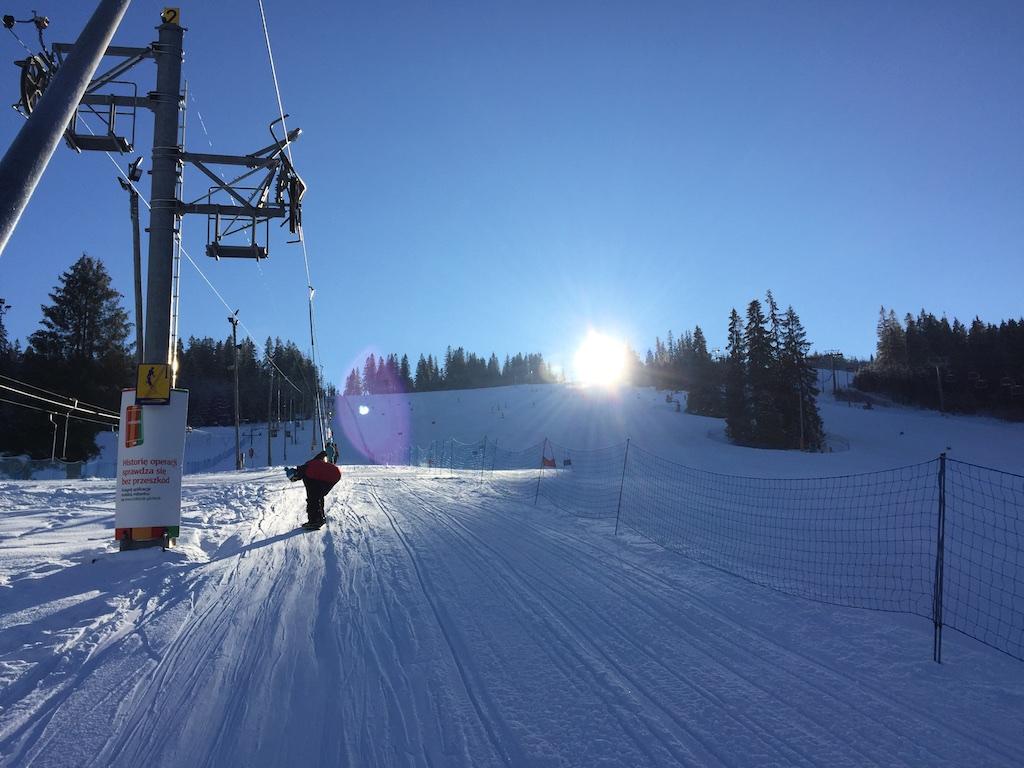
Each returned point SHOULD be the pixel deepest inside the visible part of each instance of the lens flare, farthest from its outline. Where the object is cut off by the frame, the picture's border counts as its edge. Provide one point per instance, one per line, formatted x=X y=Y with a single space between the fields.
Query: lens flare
x=364 y=410
x=600 y=360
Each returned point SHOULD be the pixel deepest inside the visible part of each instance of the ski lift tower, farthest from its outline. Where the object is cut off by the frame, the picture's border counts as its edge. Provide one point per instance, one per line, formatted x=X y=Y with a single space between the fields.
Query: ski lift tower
x=832 y=355
x=60 y=94
x=64 y=75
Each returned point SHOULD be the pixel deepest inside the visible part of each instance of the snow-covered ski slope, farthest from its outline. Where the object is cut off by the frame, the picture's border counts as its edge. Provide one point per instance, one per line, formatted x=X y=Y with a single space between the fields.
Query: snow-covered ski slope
x=439 y=620
x=522 y=416
x=518 y=417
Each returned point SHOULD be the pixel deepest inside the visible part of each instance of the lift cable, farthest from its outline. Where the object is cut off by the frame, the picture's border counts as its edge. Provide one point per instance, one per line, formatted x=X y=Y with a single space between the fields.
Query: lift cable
x=67 y=406
x=40 y=22
x=99 y=408
x=302 y=240
x=55 y=413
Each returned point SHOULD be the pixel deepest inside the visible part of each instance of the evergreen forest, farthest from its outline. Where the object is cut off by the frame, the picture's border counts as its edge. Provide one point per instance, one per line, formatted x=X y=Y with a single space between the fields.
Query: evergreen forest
x=458 y=370
x=763 y=384
x=928 y=362
x=82 y=350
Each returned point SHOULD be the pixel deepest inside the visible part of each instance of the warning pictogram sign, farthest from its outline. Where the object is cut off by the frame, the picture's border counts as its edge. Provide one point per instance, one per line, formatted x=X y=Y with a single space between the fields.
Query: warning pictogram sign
x=154 y=384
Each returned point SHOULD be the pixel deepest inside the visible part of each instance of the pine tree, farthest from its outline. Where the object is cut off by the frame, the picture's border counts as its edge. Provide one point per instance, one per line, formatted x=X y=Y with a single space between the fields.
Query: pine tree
x=892 y=344
x=760 y=374
x=634 y=371
x=353 y=384
x=4 y=346
x=370 y=375
x=422 y=380
x=493 y=371
x=405 y=374
x=9 y=354
x=705 y=397
x=81 y=348
x=86 y=320
x=434 y=374
x=802 y=383
x=737 y=413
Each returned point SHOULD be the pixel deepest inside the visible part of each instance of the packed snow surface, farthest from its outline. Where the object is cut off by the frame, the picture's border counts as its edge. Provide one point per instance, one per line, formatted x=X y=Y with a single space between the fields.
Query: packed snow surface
x=438 y=621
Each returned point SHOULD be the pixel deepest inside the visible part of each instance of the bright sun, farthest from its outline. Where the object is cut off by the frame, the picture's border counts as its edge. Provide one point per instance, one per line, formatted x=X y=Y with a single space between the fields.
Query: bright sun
x=600 y=360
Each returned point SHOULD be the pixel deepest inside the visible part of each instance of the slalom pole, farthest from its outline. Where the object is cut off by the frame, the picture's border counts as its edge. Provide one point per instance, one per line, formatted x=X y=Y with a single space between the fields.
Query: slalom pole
x=540 y=471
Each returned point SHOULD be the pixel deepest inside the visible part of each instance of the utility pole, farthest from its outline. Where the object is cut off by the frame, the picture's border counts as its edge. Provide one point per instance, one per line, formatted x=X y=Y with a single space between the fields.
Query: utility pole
x=53 y=449
x=939 y=363
x=67 y=419
x=128 y=185
x=163 y=198
x=233 y=319
x=30 y=152
x=270 y=414
x=833 y=354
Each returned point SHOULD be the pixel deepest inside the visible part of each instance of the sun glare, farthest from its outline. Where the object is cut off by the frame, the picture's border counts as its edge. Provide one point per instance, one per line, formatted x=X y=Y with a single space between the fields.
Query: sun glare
x=600 y=360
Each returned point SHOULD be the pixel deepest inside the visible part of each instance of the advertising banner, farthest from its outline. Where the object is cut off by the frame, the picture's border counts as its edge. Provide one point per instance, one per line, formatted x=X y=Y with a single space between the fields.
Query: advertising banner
x=150 y=455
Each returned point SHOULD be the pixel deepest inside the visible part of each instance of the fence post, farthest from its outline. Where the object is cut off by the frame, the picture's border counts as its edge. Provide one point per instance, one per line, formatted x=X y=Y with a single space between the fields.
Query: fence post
x=483 y=459
x=622 y=483
x=940 y=546
x=540 y=472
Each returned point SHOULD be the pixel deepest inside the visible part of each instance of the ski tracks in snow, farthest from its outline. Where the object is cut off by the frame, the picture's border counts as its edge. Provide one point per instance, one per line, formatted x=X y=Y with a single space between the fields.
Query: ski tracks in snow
x=434 y=623
x=657 y=672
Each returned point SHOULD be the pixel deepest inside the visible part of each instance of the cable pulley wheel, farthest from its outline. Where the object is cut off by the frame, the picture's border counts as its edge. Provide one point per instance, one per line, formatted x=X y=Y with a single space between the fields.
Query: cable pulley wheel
x=35 y=76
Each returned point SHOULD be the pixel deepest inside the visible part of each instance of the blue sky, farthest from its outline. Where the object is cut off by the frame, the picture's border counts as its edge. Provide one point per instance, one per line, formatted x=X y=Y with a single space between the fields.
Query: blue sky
x=503 y=176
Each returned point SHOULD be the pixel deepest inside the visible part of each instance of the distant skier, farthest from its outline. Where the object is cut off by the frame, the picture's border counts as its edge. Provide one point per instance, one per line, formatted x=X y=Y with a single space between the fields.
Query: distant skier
x=319 y=477
x=332 y=452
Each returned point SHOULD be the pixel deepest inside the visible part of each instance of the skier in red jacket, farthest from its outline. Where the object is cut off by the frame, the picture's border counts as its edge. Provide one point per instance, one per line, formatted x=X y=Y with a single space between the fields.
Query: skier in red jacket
x=319 y=477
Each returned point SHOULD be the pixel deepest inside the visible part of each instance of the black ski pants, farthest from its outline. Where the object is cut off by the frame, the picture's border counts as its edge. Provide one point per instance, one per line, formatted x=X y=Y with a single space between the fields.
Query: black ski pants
x=316 y=490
